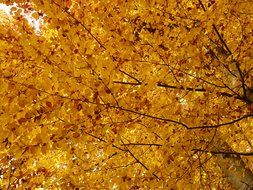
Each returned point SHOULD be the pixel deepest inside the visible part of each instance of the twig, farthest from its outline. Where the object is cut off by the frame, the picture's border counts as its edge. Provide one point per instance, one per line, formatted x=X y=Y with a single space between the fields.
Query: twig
x=138 y=161
x=66 y=10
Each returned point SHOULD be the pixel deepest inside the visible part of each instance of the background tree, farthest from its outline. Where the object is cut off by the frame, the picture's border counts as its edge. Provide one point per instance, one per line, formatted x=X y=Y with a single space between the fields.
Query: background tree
x=127 y=95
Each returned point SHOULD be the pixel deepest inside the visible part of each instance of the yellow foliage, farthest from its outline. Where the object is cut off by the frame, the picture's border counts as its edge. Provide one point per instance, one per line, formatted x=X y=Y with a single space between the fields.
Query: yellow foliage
x=126 y=95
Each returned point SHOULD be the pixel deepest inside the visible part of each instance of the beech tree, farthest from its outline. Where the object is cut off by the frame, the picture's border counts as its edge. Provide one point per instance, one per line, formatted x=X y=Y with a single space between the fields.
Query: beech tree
x=137 y=94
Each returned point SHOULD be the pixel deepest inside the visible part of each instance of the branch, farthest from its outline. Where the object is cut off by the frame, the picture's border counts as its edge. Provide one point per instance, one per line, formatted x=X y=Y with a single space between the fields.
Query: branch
x=202 y=5
x=128 y=110
x=139 y=82
x=181 y=88
x=106 y=86
x=183 y=124
x=138 y=161
x=100 y=139
x=226 y=153
x=234 y=92
x=159 y=84
x=242 y=80
x=221 y=39
x=174 y=68
x=8 y=185
x=222 y=124
x=154 y=117
x=141 y=144
x=96 y=137
x=66 y=10
x=126 y=83
x=230 y=53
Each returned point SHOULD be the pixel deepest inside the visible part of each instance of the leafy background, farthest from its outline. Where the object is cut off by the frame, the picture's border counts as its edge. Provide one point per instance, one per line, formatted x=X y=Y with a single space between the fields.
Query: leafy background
x=126 y=94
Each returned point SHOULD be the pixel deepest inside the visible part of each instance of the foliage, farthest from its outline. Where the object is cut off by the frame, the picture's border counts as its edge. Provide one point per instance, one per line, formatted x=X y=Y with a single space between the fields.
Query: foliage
x=126 y=94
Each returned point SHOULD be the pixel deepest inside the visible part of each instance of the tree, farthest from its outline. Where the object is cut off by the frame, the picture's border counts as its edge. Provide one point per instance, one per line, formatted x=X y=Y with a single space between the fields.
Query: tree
x=127 y=95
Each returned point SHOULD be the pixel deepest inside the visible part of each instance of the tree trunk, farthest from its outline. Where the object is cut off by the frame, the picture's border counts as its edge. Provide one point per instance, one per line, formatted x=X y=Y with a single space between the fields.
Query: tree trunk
x=234 y=168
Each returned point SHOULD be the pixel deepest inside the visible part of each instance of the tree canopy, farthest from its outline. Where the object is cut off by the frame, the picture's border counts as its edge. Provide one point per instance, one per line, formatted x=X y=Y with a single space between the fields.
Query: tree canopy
x=126 y=94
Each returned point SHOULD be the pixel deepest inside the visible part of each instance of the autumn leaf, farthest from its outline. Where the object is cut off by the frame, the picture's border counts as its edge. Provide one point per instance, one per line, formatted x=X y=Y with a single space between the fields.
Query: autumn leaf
x=126 y=94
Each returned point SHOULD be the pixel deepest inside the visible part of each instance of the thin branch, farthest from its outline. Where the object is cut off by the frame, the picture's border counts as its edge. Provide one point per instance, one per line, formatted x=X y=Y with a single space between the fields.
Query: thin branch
x=234 y=92
x=222 y=124
x=159 y=84
x=105 y=85
x=202 y=5
x=224 y=152
x=174 y=68
x=122 y=166
x=129 y=110
x=100 y=139
x=235 y=62
x=181 y=88
x=66 y=10
x=126 y=83
x=138 y=81
x=8 y=185
x=206 y=147
x=138 y=161
x=242 y=79
x=229 y=53
x=221 y=39
x=96 y=137
x=244 y=135
x=200 y=171
x=154 y=117
x=141 y=144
